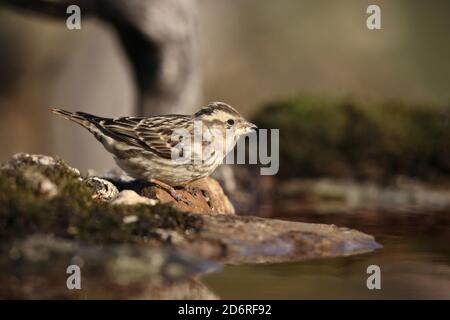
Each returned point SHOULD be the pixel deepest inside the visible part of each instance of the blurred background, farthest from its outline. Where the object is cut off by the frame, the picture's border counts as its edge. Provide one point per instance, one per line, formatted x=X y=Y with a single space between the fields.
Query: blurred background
x=364 y=115
x=248 y=53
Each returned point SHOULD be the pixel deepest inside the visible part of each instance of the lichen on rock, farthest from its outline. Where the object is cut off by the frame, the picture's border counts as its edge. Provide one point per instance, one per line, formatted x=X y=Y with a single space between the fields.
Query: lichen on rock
x=73 y=212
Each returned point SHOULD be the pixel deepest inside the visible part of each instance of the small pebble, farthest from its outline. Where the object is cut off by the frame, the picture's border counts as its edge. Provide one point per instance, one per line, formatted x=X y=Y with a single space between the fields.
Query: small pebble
x=130 y=197
x=130 y=219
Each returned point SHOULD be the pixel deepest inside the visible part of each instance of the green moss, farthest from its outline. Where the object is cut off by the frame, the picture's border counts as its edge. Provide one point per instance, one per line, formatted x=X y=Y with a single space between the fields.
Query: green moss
x=72 y=213
x=367 y=142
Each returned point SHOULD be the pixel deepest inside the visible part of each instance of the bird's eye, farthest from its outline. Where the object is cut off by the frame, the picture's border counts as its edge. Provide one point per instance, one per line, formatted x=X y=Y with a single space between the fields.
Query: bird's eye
x=230 y=122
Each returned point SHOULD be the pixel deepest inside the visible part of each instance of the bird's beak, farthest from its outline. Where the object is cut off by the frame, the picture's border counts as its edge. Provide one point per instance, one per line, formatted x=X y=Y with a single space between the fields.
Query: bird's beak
x=250 y=127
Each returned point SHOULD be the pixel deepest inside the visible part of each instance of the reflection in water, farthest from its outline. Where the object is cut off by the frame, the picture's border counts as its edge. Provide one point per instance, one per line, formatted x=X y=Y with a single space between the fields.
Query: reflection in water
x=415 y=263
x=186 y=290
x=35 y=268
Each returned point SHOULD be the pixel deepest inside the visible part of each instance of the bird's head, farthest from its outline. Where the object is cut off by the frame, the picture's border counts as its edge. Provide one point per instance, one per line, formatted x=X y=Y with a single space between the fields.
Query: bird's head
x=221 y=116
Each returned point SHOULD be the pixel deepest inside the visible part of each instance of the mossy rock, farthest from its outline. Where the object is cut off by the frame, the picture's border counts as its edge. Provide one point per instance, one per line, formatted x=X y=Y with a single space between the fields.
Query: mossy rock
x=72 y=212
x=320 y=138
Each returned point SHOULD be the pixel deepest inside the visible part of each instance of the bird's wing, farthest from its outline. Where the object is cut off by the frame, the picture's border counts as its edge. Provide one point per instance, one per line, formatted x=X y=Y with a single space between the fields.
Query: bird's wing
x=156 y=134
x=121 y=129
x=164 y=133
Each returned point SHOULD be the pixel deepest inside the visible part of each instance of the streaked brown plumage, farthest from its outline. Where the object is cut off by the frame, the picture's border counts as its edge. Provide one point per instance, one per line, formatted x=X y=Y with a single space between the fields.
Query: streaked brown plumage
x=145 y=147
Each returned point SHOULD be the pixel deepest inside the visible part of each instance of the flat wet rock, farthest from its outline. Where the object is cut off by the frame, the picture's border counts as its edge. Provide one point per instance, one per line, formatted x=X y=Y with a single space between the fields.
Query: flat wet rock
x=256 y=240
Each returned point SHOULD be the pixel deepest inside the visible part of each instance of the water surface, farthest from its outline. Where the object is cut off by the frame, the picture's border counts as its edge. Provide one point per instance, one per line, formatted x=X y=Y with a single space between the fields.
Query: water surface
x=414 y=262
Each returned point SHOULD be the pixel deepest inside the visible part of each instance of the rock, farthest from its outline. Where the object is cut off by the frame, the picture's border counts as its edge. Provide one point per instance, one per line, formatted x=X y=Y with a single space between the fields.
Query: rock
x=23 y=159
x=41 y=184
x=346 y=197
x=352 y=140
x=127 y=249
x=130 y=197
x=103 y=189
x=130 y=219
x=218 y=235
x=205 y=196
x=234 y=239
x=40 y=175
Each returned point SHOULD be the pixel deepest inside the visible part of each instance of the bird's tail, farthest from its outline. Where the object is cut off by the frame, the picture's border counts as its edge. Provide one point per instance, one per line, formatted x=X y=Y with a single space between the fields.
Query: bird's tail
x=75 y=117
x=88 y=121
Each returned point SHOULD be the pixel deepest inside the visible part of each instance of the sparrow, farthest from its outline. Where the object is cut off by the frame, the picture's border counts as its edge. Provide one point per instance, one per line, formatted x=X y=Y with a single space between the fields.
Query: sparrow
x=172 y=150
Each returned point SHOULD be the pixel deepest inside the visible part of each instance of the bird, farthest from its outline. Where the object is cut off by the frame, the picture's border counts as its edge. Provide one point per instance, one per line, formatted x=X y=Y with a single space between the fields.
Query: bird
x=170 y=151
